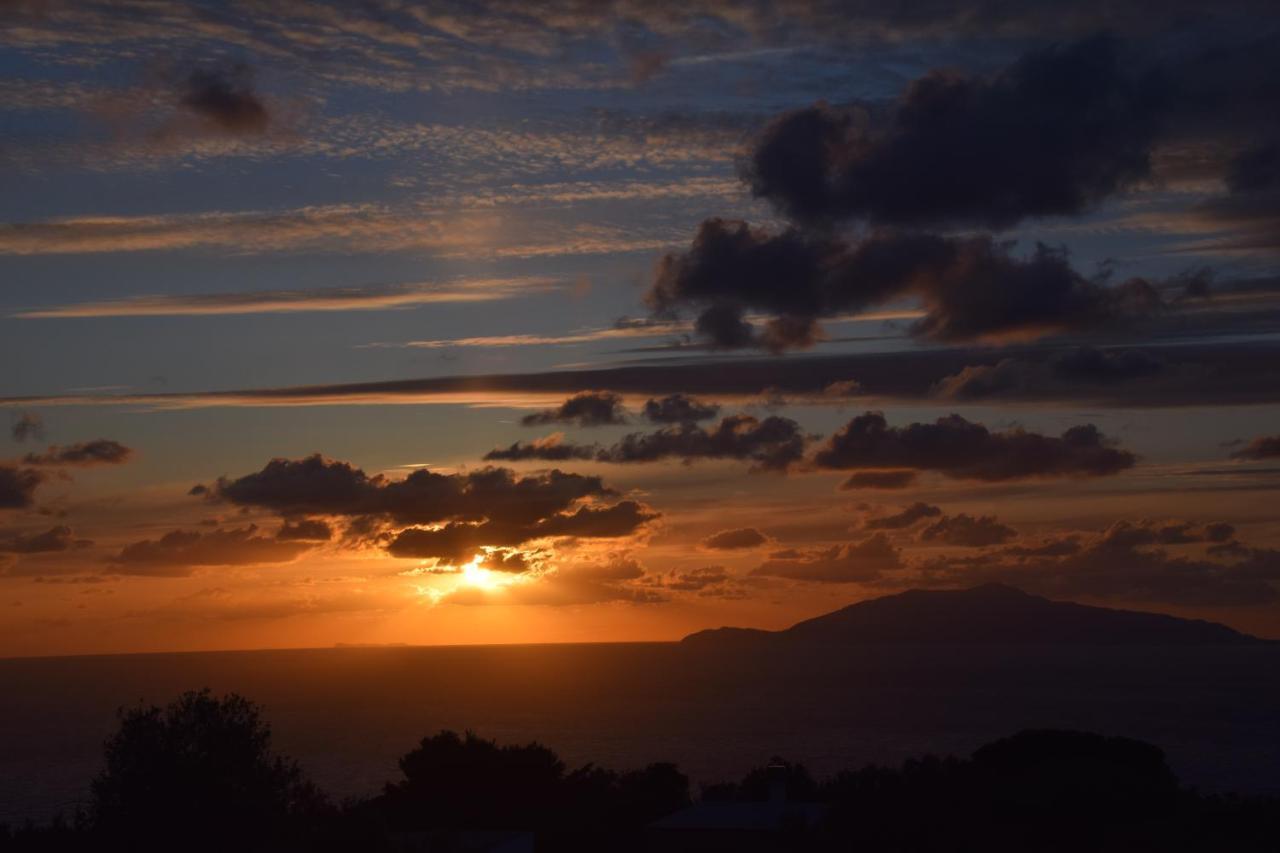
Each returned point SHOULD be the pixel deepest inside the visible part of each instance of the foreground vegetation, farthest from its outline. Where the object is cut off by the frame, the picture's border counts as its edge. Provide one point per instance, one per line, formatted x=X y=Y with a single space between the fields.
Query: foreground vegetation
x=201 y=775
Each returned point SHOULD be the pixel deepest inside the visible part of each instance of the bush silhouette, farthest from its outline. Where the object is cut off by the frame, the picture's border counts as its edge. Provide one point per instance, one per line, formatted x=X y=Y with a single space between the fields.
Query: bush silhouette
x=458 y=782
x=466 y=782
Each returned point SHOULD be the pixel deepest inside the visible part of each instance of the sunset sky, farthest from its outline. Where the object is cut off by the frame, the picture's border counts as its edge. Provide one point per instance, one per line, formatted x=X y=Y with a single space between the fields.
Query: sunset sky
x=477 y=322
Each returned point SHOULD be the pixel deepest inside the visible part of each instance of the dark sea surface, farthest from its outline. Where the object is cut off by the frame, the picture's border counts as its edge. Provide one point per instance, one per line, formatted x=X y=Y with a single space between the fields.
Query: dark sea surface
x=348 y=713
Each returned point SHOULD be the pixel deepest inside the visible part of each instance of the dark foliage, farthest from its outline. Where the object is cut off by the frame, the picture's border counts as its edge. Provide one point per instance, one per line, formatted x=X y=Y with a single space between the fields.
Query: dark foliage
x=200 y=775
x=457 y=782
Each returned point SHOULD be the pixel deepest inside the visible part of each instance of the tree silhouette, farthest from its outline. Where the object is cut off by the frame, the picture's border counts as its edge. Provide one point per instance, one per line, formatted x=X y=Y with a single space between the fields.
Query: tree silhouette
x=458 y=782
x=200 y=774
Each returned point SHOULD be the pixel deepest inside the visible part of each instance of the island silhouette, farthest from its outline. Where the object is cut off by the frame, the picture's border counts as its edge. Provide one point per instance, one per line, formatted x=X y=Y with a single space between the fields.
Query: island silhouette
x=987 y=614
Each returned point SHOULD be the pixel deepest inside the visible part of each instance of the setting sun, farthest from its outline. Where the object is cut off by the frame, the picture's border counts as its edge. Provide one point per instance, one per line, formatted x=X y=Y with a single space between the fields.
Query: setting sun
x=476 y=575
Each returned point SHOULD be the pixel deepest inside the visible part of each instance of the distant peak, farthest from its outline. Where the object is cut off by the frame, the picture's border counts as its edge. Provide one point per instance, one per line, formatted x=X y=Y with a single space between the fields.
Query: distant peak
x=996 y=590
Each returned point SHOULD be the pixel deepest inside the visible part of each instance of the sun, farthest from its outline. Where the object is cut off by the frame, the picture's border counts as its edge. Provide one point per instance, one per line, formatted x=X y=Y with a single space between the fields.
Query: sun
x=474 y=574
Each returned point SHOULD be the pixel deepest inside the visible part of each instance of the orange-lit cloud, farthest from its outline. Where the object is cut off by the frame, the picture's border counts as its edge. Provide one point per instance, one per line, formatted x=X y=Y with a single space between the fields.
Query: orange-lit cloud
x=371 y=298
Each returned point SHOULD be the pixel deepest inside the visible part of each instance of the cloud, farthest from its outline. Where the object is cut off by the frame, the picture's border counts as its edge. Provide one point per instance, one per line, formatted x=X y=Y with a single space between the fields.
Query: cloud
x=359 y=298
x=588 y=409
x=57 y=538
x=1053 y=134
x=879 y=480
x=457 y=542
x=1212 y=373
x=1123 y=563
x=772 y=444
x=225 y=100
x=622 y=329
x=551 y=448
x=621 y=519
x=27 y=425
x=1255 y=168
x=731 y=540
x=1262 y=447
x=18 y=486
x=972 y=288
x=179 y=552
x=450 y=517
x=316 y=485
x=100 y=451
x=322 y=228
x=1072 y=370
x=966 y=531
x=843 y=388
x=908 y=516
x=702 y=580
x=854 y=562
x=678 y=409
x=959 y=449
x=305 y=530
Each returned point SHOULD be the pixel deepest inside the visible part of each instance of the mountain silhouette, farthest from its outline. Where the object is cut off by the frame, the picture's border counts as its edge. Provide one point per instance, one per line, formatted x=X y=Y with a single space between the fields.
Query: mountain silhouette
x=988 y=614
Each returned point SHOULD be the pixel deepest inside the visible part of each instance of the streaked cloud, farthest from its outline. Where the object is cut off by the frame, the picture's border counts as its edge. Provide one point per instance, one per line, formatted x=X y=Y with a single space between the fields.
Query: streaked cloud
x=360 y=298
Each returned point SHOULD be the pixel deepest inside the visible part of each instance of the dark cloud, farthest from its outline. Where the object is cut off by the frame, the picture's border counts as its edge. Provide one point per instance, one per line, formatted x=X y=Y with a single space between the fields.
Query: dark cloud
x=588 y=409
x=698 y=580
x=1055 y=133
x=18 y=486
x=966 y=531
x=728 y=540
x=1077 y=369
x=449 y=517
x=855 y=562
x=621 y=519
x=878 y=480
x=179 y=552
x=319 y=486
x=908 y=516
x=1211 y=373
x=57 y=538
x=460 y=540
x=552 y=448
x=27 y=425
x=962 y=450
x=454 y=543
x=1262 y=447
x=1255 y=168
x=510 y=561
x=305 y=530
x=224 y=97
x=771 y=444
x=1123 y=563
x=100 y=451
x=678 y=409
x=972 y=288
x=1167 y=532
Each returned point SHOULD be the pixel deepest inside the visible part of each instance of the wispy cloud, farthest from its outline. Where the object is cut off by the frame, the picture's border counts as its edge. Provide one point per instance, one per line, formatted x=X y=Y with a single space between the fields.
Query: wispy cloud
x=247 y=231
x=368 y=298
x=628 y=330
x=624 y=329
x=464 y=233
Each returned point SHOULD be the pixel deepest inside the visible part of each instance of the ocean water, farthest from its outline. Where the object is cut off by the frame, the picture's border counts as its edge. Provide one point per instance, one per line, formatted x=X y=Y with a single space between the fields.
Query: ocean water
x=348 y=713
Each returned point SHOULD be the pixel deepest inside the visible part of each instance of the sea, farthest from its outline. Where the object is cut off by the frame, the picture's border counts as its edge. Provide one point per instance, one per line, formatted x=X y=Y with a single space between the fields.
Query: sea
x=348 y=714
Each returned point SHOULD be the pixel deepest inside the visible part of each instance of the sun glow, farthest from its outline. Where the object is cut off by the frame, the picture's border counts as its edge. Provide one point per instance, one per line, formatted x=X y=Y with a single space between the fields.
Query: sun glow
x=474 y=574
